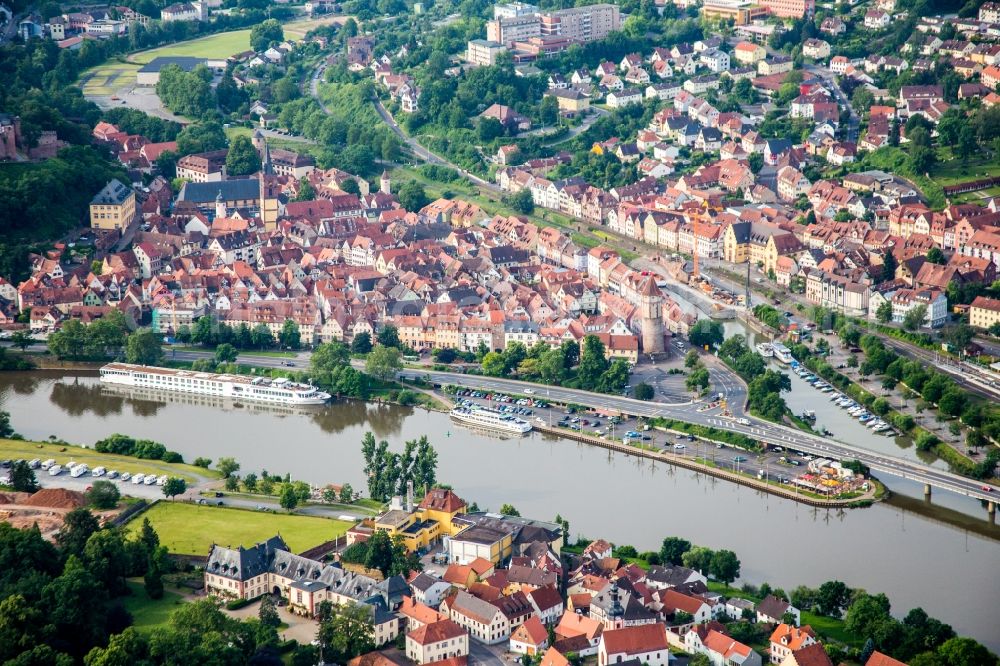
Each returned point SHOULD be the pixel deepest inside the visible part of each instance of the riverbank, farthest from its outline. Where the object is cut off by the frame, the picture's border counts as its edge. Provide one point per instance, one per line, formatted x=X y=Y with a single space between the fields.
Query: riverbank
x=876 y=492
x=63 y=452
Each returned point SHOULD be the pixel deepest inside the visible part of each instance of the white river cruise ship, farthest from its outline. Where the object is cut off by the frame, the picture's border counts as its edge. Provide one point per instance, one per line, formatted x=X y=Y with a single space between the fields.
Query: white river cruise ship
x=235 y=387
x=486 y=418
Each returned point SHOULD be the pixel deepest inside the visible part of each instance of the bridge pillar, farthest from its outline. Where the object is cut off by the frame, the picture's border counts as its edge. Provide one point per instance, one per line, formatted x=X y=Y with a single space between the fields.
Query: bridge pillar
x=927 y=491
x=991 y=508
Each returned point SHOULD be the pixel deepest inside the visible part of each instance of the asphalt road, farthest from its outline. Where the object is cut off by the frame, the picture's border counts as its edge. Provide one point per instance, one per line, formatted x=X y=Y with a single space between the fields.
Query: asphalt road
x=764 y=431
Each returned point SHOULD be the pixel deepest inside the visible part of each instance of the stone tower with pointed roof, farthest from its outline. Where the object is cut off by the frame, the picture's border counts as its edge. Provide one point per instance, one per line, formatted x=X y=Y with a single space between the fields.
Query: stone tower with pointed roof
x=651 y=317
x=384 y=183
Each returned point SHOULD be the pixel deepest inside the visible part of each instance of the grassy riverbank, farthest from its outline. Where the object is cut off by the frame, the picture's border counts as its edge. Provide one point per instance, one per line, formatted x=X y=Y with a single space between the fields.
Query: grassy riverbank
x=63 y=453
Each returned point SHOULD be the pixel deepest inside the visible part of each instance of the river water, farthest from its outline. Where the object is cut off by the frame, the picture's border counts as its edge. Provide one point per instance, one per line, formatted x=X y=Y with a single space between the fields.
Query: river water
x=940 y=556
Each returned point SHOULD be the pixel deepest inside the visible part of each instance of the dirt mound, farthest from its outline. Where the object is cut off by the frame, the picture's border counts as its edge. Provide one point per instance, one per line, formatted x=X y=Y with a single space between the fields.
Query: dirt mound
x=56 y=498
x=13 y=497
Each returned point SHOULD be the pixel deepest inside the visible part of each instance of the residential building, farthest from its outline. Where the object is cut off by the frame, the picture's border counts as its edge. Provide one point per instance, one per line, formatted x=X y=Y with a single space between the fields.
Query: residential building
x=113 y=207
x=984 y=312
x=721 y=650
x=793 y=9
x=484 y=621
x=437 y=641
x=787 y=638
x=483 y=51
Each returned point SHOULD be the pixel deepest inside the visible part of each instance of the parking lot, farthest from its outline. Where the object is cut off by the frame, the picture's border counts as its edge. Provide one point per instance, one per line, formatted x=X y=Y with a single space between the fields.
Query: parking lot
x=774 y=464
x=65 y=479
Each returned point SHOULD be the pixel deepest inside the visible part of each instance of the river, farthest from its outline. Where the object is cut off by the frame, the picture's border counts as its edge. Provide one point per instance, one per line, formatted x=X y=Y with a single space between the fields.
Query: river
x=940 y=556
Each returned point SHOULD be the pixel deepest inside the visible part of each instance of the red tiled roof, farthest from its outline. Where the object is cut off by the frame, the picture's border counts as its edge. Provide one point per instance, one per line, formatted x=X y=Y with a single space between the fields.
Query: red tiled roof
x=436 y=632
x=636 y=639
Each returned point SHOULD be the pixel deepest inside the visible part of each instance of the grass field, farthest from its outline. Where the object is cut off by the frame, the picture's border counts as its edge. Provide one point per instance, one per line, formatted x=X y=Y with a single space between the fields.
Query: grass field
x=149 y=614
x=302 y=147
x=107 y=78
x=225 y=44
x=63 y=453
x=191 y=529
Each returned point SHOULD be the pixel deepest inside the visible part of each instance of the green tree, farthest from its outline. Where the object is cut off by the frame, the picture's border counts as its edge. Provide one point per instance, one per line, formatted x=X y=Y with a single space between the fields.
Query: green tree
x=383 y=362
x=672 y=550
x=153 y=579
x=289 y=499
x=250 y=482
x=706 y=333
x=346 y=631
x=914 y=317
x=698 y=380
x=593 y=362
x=103 y=495
x=698 y=558
x=346 y=494
x=226 y=353
x=884 y=312
x=866 y=613
x=290 y=336
x=494 y=365
x=174 y=486
x=266 y=33
x=643 y=391
x=509 y=510
x=306 y=191
x=691 y=359
x=725 y=566
x=260 y=336
x=831 y=598
x=362 y=343
x=227 y=466
x=388 y=336
x=22 y=339
x=78 y=526
x=242 y=159
x=412 y=196
x=22 y=477
x=268 y=612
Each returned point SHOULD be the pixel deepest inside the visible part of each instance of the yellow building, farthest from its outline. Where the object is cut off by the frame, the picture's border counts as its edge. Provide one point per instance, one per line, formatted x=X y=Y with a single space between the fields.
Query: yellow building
x=984 y=312
x=571 y=102
x=113 y=207
x=423 y=526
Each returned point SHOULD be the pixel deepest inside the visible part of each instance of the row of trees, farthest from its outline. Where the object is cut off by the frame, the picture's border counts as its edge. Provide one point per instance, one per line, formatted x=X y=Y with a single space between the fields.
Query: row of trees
x=586 y=368
x=109 y=336
x=208 y=331
x=145 y=449
x=389 y=473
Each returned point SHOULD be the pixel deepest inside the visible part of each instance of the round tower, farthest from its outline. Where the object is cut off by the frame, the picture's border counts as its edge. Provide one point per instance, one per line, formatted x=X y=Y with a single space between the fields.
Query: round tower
x=651 y=317
x=385 y=185
x=220 y=206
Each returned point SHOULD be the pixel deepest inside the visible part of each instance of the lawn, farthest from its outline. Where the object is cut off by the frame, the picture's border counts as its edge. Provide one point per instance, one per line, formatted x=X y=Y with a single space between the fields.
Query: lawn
x=952 y=171
x=191 y=529
x=826 y=627
x=213 y=47
x=63 y=453
x=149 y=614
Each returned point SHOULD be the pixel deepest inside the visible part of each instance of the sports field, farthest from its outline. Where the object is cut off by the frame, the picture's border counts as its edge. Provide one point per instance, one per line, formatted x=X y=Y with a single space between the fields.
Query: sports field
x=108 y=78
x=225 y=44
x=191 y=529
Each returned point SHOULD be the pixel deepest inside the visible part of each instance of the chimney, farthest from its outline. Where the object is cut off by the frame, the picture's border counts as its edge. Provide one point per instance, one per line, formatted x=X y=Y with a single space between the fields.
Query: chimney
x=409 y=495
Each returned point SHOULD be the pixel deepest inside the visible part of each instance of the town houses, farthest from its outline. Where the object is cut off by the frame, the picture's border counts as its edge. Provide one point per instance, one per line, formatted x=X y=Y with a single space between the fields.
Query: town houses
x=529 y=598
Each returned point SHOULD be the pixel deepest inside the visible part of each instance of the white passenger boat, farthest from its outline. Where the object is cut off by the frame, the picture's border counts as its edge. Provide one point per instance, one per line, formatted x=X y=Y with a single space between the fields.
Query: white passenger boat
x=236 y=387
x=782 y=353
x=765 y=349
x=487 y=418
